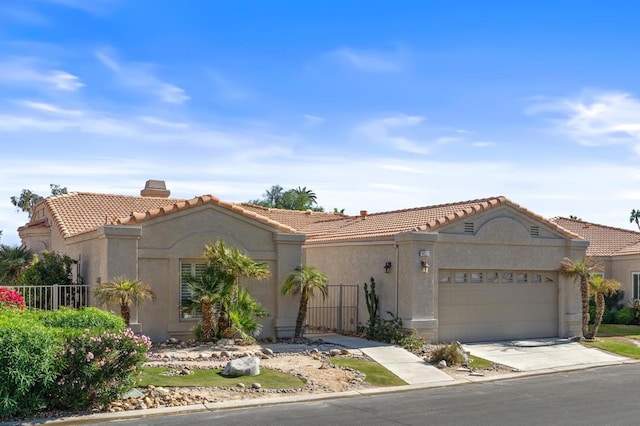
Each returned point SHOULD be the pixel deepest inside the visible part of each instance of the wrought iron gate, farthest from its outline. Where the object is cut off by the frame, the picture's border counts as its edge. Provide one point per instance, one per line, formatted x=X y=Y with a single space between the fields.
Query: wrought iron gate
x=337 y=313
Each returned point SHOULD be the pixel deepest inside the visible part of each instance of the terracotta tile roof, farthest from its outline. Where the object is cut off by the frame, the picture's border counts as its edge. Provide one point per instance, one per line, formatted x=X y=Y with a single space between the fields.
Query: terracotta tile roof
x=294 y=218
x=430 y=218
x=603 y=240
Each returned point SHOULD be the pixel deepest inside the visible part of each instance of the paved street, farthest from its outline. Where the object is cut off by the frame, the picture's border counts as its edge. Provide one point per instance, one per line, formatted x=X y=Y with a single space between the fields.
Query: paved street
x=595 y=396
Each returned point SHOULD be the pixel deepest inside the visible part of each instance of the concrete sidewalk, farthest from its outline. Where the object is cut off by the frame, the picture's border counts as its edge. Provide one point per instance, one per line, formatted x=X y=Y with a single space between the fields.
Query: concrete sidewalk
x=542 y=354
x=399 y=361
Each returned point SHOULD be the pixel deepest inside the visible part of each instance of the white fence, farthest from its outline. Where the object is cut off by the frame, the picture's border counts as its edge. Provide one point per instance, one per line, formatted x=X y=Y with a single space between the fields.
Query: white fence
x=52 y=297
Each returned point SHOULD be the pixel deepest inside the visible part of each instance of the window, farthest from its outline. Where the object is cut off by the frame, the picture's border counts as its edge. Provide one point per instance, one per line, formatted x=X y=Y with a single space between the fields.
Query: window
x=536 y=278
x=507 y=277
x=493 y=277
x=522 y=277
x=460 y=277
x=445 y=277
x=635 y=279
x=187 y=269
x=476 y=277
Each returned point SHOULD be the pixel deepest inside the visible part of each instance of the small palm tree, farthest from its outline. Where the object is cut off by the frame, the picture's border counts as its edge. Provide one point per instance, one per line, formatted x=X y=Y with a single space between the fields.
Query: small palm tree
x=635 y=217
x=124 y=292
x=304 y=281
x=581 y=270
x=600 y=288
x=13 y=260
x=207 y=290
x=244 y=314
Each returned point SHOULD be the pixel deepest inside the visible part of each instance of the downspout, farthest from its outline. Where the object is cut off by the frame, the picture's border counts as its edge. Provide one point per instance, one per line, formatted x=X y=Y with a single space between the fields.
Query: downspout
x=397 y=275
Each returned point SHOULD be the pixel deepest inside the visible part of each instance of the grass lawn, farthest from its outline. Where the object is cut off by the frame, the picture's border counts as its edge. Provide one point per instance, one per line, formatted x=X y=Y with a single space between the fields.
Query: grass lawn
x=376 y=374
x=618 y=339
x=269 y=379
x=479 y=363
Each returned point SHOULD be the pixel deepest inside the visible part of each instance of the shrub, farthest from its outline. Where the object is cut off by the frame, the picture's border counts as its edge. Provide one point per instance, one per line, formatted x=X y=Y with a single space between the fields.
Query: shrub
x=93 y=369
x=81 y=319
x=10 y=299
x=27 y=353
x=606 y=315
x=48 y=269
x=625 y=315
x=452 y=353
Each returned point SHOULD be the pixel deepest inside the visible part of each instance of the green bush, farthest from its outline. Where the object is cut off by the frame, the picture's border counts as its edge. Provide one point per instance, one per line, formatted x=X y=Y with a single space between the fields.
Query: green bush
x=452 y=353
x=27 y=357
x=625 y=315
x=606 y=315
x=92 y=318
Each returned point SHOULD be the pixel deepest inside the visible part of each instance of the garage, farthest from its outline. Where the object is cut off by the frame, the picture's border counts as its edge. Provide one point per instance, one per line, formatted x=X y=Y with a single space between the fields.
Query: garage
x=485 y=305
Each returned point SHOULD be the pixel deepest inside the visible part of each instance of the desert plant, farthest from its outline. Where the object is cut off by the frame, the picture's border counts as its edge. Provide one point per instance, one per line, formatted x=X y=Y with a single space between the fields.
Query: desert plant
x=373 y=309
x=581 y=270
x=208 y=290
x=600 y=287
x=452 y=354
x=13 y=260
x=304 y=281
x=124 y=292
x=244 y=314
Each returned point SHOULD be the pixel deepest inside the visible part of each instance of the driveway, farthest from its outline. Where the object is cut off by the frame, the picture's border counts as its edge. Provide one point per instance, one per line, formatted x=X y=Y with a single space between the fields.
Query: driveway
x=542 y=354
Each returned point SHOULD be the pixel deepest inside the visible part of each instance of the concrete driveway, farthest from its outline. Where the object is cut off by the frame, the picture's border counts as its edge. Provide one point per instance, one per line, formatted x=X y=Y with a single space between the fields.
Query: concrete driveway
x=542 y=354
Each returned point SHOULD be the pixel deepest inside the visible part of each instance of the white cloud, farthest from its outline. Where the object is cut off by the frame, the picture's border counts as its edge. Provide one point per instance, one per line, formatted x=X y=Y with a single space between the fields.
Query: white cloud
x=371 y=60
x=95 y=7
x=226 y=88
x=392 y=131
x=141 y=77
x=50 y=108
x=313 y=120
x=27 y=71
x=595 y=118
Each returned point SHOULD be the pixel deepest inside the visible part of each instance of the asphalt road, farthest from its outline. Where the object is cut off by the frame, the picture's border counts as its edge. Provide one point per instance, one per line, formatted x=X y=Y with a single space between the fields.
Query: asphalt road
x=601 y=396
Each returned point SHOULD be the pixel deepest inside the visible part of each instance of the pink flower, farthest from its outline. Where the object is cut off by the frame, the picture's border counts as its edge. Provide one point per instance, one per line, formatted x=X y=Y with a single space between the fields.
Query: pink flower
x=89 y=356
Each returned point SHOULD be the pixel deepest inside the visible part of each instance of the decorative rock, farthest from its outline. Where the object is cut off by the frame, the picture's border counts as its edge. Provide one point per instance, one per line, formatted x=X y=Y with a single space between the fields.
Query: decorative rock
x=314 y=351
x=240 y=385
x=216 y=354
x=334 y=352
x=246 y=366
x=225 y=354
x=185 y=371
x=256 y=386
x=226 y=342
x=344 y=351
x=442 y=364
x=476 y=374
x=267 y=351
x=173 y=341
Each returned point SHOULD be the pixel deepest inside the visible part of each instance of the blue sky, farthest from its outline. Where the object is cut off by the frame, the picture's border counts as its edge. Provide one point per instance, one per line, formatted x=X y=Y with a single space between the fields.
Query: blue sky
x=374 y=105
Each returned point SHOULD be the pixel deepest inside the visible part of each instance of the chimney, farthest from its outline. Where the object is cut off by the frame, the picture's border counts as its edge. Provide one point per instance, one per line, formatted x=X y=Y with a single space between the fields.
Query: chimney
x=363 y=214
x=155 y=188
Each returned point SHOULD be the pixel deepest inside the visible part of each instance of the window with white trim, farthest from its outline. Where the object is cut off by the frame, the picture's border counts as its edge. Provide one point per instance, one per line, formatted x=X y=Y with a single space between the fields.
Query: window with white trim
x=189 y=268
x=635 y=285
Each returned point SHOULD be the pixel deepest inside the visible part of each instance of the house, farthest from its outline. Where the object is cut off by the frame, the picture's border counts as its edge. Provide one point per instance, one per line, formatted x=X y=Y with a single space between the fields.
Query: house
x=616 y=249
x=476 y=270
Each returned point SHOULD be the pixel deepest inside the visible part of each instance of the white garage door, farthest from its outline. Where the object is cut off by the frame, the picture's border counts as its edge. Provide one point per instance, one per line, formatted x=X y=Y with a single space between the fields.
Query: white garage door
x=475 y=306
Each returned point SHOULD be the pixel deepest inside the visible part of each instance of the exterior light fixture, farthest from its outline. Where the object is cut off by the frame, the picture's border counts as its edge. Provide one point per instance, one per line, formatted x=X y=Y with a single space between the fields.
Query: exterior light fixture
x=425 y=266
x=387 y=267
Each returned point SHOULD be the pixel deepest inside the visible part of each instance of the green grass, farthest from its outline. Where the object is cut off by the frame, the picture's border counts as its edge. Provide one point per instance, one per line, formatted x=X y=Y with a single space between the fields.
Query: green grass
x=269 y=379
x=617 y=347
x=478 y=363
x=609 y=330
x=376 y=374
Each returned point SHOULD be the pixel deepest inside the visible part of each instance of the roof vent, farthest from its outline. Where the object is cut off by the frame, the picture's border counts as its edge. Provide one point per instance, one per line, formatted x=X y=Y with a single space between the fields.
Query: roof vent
x=363 y=214
x=535 y=231
x=155 y=188
x=469 y=227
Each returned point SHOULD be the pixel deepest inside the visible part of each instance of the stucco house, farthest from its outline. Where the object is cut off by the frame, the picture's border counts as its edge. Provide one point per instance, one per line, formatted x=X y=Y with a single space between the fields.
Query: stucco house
x=475 y=270
x=616 y=250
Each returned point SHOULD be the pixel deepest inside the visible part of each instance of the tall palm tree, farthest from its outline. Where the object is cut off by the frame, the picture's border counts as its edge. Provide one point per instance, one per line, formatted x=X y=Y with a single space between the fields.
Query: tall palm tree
x=207 y=290
x=234 y=265
x=124 y=292
x=635 y=217
x=13 y=260
x=304 y=281
x=581 y=270
x=600 y=288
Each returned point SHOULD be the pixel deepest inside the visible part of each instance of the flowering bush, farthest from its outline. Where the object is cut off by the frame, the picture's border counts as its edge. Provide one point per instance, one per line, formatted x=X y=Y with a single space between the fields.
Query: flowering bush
x=95 y=368
x=10 y=299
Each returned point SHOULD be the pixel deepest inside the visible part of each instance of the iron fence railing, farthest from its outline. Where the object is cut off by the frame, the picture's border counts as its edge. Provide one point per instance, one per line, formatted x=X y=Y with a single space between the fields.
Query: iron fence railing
x=337 y=313
x=52 y=297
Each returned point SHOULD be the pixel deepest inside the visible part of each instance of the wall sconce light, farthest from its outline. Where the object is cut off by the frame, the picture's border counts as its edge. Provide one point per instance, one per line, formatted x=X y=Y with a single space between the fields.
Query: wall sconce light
x=425 y=266
x=387 y=267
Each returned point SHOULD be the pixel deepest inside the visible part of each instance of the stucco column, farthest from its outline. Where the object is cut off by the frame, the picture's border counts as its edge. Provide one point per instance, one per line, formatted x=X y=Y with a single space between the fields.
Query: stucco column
x=289 y=255
x=569 y=296
x=417 y=289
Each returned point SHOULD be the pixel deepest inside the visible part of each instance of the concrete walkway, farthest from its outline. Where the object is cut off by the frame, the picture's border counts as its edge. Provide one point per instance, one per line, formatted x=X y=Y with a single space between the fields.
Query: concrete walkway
x=542 y=354
x=399 y=361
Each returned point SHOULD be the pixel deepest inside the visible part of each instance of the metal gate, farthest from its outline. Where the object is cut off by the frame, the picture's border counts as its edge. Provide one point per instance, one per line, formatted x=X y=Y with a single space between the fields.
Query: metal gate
x=337 y=313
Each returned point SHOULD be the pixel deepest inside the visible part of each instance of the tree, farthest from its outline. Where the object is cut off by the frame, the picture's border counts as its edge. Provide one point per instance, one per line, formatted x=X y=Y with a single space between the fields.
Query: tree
x=234 y=265
x=244 y=313
x=13 y=260
x=124 y=292
x=48 y=268
x=304 y=281
x=600 y=288
x=208 y=289
x=574 y=217
x=581 y=270
x=28 y=199
x=299 y=198
x=635 y=217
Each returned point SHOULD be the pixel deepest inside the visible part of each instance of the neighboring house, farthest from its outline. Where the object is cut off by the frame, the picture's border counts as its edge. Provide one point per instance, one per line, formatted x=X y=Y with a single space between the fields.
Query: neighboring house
x=617 y=250
x=475 y=270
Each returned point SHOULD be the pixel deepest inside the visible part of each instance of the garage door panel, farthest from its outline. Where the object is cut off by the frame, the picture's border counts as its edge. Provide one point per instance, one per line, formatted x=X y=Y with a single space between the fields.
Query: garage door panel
x=484 y=312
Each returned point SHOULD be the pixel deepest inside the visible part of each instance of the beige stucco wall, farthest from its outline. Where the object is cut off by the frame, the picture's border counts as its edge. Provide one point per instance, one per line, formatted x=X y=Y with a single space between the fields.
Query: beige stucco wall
x=501 y=240
x=620 y=268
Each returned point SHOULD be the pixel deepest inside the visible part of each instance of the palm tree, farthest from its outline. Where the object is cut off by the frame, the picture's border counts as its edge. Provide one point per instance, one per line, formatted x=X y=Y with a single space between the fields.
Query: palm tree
x=635 y=217
x=207 y=290
x=600 y=288
x=243 y=315
x=13 y=260
x=304 y=281
x=582 y=270
x=235 y=265
x=124 y=292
